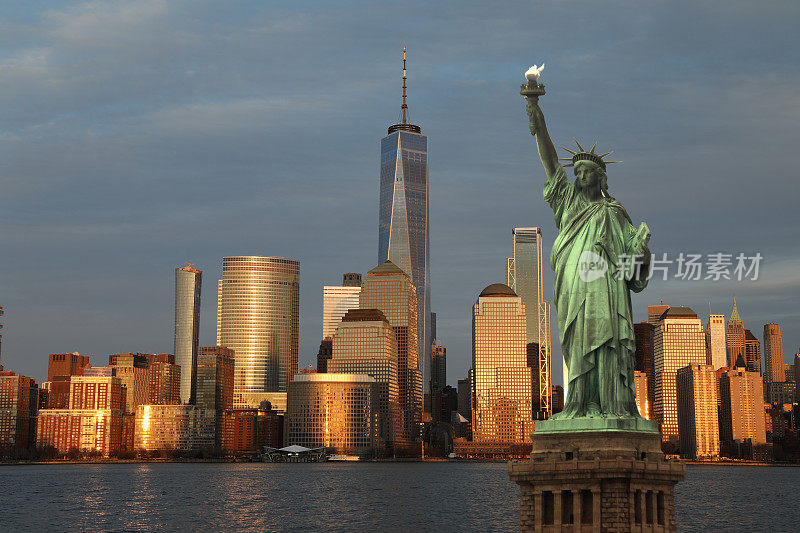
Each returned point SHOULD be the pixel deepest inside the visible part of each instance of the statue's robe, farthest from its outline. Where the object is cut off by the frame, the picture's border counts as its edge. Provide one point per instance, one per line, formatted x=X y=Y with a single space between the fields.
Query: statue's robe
x=595 y=321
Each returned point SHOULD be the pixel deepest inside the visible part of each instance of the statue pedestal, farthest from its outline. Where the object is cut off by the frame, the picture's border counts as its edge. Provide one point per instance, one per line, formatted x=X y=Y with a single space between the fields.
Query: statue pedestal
x=597 y=481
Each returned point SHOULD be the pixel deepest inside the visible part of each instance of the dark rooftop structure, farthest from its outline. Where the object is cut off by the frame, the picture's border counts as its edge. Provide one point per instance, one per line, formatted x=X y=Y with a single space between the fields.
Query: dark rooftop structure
x=497 y=289
x=363 y=315
x=678 y=312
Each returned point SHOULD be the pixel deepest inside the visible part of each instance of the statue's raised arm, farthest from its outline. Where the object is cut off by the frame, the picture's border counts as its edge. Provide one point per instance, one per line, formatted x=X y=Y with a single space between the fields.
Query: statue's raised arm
x=547 y=152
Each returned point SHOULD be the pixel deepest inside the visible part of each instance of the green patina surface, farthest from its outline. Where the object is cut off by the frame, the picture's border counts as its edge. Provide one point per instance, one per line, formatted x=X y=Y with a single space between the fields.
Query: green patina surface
x=598 y=257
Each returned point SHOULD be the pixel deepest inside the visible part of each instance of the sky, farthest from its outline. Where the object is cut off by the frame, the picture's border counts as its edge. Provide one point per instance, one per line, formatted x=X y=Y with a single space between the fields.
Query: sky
x=137 y=136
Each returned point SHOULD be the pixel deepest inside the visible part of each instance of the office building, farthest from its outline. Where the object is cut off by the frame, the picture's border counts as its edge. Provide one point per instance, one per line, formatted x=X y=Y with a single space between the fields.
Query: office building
x=181 y=427
x=258 y=318
x=654 y=313
x=642 y=394
x=403 y=228
x=643 y=334
x=365 y=344
x=133 y=370
x=679 y=340
x=324 y=354
x=698 y=426
x=752 y=352
x=91 y=423
x=165 y=380
x=66 y=364
x=741 y=414
x=716 y=354
x=773 y=353
x=465 y=398
x=330 y=410
x=796 y=366
x=188 y=282
x=18 y=408
x=390 y=290
x=734 y=337
x=215 y=381
x=249 y=430
x=336 y=301
x=501 y=391
x=438 y=367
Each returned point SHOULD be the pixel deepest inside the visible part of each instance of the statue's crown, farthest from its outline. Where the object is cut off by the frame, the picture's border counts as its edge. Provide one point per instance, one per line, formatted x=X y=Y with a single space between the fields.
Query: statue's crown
x=583 y=155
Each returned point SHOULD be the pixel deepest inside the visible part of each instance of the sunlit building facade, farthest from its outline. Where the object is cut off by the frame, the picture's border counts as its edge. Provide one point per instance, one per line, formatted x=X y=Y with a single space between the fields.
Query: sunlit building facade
x=773 y=353
x=752 y=352
x=174 y=427
x=258 y=318
x=734 y=337
x=18 y=406
x=501 y=380
x=742 y=407
x=333 y=411
x=337 y=300
x=365 y=344
x=679 y=340
x=716 y=355
x=403 y=228
x=215 y=371
x=249 y=430
x=390 y=290
x=66 y=364
x=165 y=380
x=93 y=421
x=642 y=397
x=698 y=427
x=188 y=283
x=133 y=369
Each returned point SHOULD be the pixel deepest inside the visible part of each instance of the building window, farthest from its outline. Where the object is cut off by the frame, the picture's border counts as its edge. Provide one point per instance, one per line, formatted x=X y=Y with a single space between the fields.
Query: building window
x=660 y=507
x=587 y=507
x=567 y=510
x=547 y=507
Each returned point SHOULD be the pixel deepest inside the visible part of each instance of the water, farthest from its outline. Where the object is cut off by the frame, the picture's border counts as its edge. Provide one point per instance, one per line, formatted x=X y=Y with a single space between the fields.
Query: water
x=417 y=497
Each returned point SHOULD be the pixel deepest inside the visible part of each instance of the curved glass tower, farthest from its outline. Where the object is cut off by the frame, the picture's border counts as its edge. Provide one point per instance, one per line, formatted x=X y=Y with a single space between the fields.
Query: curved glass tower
x=403 y=235
x=188 y=281
x=258 y=318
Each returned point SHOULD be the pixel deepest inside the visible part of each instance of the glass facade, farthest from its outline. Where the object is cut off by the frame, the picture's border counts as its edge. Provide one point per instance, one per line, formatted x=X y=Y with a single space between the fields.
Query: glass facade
x=502 y=395
x=174 y=427
x=215 y=377
x=188 y=281
x=258 y=318
x=336 y=301
x=366 y=345
x=403 y=231
x=698 y=426
x=389 y=289
x=332 y=411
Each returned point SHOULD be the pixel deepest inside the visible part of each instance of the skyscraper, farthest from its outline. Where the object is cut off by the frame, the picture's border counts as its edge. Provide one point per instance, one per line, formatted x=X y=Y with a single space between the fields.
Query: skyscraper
x=524 y=271
x=715 y=334
x=679 y=341
x=643 y=334
x=390 y=290
x=438 y=367
x=258 y=318
x=773 y=353
x=752 y=352
x=501 y=387
x=698 y=427
x=337 y=300
x=188 y=281
x=403 y=231
x=654 y=312
x=741 y=414
x=735 y=337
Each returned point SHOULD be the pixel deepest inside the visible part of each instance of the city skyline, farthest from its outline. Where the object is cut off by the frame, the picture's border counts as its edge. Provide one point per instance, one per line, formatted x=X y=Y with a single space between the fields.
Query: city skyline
x=131 y=212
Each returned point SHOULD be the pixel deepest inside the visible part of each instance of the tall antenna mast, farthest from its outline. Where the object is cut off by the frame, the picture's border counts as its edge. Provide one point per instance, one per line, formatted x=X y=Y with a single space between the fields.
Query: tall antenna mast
x=404 y=106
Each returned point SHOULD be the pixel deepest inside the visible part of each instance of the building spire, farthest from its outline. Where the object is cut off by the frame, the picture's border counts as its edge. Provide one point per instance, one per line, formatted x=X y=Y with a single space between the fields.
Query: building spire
x=404 y=106
x=735 y=313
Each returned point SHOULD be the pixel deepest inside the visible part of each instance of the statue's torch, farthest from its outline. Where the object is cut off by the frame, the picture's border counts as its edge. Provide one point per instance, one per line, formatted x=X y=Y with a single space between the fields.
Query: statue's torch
x=533 y=89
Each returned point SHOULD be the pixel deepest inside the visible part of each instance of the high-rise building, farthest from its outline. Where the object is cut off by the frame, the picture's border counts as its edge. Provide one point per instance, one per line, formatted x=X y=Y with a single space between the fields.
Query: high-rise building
x=464 y=398
x=259 y=319
x=133 y=370
x=93 y=420
x=165 y=380
x=332 y=411
x=773 y=353
x=734 y=337
x=438 y=367
x=390 y=290
x=752 y=352
x=741 y=414
x=365 y=344
x=324 y=354
x=215 y=370
x=1 y=338
x=654 y=312
x=18 y=407
x=66 y=364
x=501 y=391
x=698 y=426
x=797 y=377
x=188 y=281
x=642 y=394
x=643 y=333
x=336 y=301
x=679 y=340
x=403 y=230
x=716 y=354
x=249 y=430
x=524 y=276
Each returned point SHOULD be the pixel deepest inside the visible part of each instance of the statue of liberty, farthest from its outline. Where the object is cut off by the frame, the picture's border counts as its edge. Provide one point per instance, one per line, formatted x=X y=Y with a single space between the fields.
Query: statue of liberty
x=598 y=258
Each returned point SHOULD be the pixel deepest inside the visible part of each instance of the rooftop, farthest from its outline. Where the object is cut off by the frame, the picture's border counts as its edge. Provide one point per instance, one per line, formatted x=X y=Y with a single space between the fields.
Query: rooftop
x=497 y=289
x=678 y=312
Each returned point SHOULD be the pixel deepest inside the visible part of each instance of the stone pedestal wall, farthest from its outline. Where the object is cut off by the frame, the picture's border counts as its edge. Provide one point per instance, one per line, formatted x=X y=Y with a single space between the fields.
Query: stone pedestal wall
x=597 y=481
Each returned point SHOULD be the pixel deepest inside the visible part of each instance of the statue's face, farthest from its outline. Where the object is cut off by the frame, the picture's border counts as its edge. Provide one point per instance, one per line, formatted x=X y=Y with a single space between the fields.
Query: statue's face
x=587 y=175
